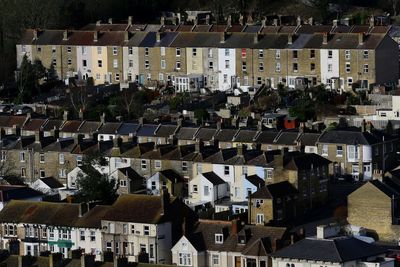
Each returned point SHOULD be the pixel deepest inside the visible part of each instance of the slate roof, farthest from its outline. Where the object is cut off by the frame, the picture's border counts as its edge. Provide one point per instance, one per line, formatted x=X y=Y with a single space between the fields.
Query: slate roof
x=147 y=130
x=309 y=139
x=286 y=138
x=206 y=134
x=52 y=182
x=337 y=250
x=255 y=180
x=109 y=128
x=226 y=135
x=186 y=133
x=266 y=137
x=17 y=192
x=89 y=127
x=127 y=128
x=303 y=161
x=245 y=136
x=213 y=178
x=172 y=175
x=10 y=121
x=130 y=173
x=165 y=130
x=348 y=137
x=275 y=190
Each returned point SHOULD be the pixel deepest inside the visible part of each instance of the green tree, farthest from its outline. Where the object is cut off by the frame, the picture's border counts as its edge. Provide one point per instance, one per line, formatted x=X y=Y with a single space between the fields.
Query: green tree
x=201 y=114
x=94 y=186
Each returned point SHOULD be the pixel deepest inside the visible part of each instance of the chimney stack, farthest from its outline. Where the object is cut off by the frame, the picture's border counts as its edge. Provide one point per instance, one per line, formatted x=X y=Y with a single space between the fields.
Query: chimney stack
x=207 y=19
x=290 y=39
x=83 y=208
x=325 y=38
x=263 y=22
x=35 y=34
x=80 y=114
x=126 y=36
x=241 y=19
x=158 y=37
x=311 y=21
x=103 y=118
x=256 y=38
x=235 y=227
x=110 y=21
x=129 y=20
x=162 y=21
x=229 y=21
x=372 y=21
x=361 y=38
x=65 y=35
x=65 y=115
x=335 y=23
x=198 y=145
x=98 y=23
x=363 y=126
x=223 y=37
x=298 y=21
x=275 y=22
x=38 y=136
x=95 y=36
x=117 y=142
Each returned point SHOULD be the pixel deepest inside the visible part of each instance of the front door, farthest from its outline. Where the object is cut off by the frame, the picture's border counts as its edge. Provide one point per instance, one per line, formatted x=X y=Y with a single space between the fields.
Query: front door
x=237 y=261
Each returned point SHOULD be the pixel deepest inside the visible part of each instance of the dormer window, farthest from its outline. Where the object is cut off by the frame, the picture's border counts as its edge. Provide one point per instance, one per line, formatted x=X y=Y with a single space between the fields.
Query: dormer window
x=219 y=238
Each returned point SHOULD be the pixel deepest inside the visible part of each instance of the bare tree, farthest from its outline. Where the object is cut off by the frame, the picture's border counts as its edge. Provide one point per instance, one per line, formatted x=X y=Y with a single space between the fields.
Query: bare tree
x=79 y=98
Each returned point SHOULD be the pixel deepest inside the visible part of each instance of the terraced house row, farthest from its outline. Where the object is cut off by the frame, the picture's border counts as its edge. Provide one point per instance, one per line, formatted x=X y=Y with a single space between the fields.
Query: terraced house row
x=219 y=57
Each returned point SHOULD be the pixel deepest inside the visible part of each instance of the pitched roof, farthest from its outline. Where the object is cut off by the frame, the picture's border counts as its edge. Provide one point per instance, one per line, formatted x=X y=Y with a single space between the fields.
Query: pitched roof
x=52 y=124
x=337 y=250
x=57 y=214
x=52 y=182
x=34 y=124
x=130 y=173
x=255 y=180
x=309 y=139
x=186 y=133
x=349 y=137
x=172 y=175
x=213 y=178
x=127 y=128
x=109 y=128
x=203 y=237
x=275 y=190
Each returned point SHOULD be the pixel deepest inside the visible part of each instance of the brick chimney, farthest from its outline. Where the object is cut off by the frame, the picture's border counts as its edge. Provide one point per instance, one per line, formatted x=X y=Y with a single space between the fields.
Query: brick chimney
x=325 y=38
x=95 y=36
x=235 y=227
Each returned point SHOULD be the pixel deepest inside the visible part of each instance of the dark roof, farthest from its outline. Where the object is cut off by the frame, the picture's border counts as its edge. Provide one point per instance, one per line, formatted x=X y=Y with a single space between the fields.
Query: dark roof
x=309 y=139
x=17 y=192
x=266 y=137
x=147 y=130
x=348 y=137
x=213 y=178
x=172 y=175
x=206 y=134
x=130 y=173
x=255 y=180
x=127 y=128
x=52 y=124
x=34 y=124
x=226 y=135
x=286 y=138
x=203 y=237
x=166 y=130
x=246 y=136
x=52 y=182
x=340 y=250
x=186 y=133
x=71 y=126
x=275 y=190
x=109 y=128
x=89 y=127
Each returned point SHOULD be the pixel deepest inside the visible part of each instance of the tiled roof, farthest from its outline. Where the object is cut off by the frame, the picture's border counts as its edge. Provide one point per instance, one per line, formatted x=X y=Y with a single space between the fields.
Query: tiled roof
x=34 y=124
x=109 y=128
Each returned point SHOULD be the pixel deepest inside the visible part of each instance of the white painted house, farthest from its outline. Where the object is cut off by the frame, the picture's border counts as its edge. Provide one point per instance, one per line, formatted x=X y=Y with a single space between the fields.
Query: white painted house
x=226 y=68
x=207 y=188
